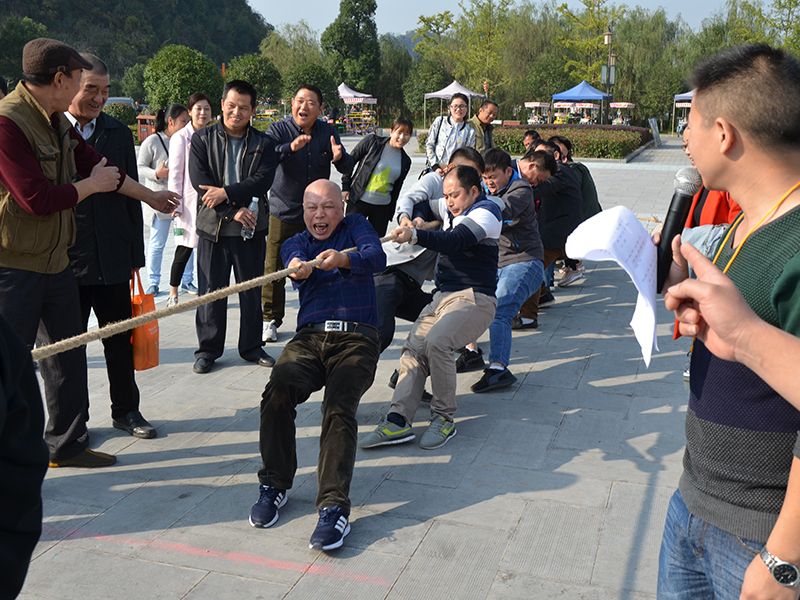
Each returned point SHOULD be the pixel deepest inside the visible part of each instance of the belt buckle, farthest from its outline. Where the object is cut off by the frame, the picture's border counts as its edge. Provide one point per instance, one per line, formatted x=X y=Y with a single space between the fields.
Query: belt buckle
x=334 y=325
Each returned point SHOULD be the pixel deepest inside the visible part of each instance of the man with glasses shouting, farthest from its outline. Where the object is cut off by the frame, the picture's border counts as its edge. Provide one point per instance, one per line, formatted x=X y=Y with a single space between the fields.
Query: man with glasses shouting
x=448 y=134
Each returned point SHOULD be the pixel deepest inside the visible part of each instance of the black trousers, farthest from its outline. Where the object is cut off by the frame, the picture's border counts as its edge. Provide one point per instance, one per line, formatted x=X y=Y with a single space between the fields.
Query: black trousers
x=182 y=256
x=214 y=263
x=378 y=215
x=45 y=308
x=113 y=303
x=344 y=363
x=398 y=295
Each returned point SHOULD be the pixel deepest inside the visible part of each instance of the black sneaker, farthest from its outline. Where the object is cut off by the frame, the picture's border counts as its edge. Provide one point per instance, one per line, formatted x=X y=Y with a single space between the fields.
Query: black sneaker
x=516 y=323
x=493 y=379
x=331 y=529
x=265 y=512
x=469 y=360
x=547 y=300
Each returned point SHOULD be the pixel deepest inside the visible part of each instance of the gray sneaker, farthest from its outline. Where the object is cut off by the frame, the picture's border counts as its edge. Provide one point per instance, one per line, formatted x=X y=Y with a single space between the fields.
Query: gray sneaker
x=439 y=431
x=387 y=434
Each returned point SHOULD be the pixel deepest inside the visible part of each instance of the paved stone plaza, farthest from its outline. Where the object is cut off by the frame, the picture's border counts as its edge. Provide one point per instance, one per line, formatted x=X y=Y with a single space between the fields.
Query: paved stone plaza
x=554 y=488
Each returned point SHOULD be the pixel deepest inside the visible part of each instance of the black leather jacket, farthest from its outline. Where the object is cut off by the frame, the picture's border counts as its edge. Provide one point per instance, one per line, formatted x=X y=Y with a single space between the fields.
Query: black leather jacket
x=367 y=153
x=207 y=167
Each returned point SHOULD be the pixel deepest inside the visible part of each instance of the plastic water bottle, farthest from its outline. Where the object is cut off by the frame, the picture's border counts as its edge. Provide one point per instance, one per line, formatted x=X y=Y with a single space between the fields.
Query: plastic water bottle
x=247 y=232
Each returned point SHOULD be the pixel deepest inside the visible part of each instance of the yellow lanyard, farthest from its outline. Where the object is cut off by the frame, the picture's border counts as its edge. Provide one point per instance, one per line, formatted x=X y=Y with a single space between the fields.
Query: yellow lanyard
x=756 y=226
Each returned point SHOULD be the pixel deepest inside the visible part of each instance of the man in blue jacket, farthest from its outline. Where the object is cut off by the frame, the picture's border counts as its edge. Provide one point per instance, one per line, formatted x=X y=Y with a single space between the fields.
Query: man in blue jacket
x=231 y=163
x=336 y=346
x=305 y=147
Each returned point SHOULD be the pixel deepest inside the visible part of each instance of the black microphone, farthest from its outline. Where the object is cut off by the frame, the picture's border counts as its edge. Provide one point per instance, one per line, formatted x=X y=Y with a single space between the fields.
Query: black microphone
x=687 y=183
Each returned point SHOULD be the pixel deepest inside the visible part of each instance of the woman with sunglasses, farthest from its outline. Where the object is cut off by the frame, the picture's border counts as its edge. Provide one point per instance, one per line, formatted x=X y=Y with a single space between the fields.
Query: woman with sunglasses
x=448 y=134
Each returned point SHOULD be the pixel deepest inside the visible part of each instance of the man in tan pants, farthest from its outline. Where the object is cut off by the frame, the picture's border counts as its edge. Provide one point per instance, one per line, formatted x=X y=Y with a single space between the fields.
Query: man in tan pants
x=463 y=306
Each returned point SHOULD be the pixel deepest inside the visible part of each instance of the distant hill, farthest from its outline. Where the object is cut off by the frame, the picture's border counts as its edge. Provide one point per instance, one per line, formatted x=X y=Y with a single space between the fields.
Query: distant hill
x=126 y=32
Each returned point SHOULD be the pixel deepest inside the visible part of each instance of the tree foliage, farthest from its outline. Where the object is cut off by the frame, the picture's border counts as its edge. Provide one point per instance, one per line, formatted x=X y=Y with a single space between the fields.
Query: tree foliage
x=14 y=34
x=396 y=63
x=350 y=45
x=427 y=76
x=311 y=74
x=261 y=73
x=133 y=83
x=176 y=72
x=126 y=32
x=295 y=44
x=483 y=31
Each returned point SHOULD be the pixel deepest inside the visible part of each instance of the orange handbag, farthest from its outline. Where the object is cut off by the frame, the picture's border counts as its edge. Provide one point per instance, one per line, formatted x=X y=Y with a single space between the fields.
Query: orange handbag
x=144 y=338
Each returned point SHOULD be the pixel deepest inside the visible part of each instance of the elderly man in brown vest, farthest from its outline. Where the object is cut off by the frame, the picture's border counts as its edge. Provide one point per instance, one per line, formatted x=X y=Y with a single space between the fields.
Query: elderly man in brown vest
x=46 y=169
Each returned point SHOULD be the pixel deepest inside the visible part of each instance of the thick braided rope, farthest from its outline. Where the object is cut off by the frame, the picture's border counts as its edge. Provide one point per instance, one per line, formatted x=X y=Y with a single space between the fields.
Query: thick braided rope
x=132 y=323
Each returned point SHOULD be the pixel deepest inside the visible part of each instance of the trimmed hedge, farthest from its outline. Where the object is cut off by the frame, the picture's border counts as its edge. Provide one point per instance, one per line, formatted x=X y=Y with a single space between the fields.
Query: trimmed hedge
x=588 y=141
x=124 y=112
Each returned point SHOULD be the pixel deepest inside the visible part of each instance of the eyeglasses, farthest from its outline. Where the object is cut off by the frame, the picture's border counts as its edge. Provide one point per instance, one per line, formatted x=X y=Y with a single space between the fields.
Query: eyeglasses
x=684 y=147
x=458 y=106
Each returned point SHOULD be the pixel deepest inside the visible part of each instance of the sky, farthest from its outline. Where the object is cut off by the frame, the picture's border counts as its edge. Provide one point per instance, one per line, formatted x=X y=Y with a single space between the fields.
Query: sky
x=399 y=16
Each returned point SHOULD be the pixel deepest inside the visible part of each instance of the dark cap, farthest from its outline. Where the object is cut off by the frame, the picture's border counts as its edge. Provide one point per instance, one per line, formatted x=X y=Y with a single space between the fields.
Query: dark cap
x=44 y=56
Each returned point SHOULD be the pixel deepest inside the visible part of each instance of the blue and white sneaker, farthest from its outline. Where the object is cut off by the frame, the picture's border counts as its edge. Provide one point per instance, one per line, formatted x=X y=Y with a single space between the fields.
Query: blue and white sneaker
x=189 y=288
x=265 y=512
x=332 y=527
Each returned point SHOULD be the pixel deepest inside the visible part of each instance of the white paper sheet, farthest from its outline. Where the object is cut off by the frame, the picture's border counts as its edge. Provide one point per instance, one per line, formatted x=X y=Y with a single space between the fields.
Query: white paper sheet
x=616 y=234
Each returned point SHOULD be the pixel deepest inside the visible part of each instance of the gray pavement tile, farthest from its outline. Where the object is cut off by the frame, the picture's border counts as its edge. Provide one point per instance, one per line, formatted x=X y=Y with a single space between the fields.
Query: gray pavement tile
x=515 y=586
x=609 y=398
x=632 y=537
x=193 y=426
x=453 y=561
x=100 y=488
x=527 y=484
x=597 y=464
x=133 y=522
x=59 y=520
x=587 y=429
x=386 y=533
x=443 y=467
x=349 y=574
x=520 y=444
x=555 y=541
x=75 y=574
x=488 y=508
x=216 y=585
x=260 y=554
x=655 y=428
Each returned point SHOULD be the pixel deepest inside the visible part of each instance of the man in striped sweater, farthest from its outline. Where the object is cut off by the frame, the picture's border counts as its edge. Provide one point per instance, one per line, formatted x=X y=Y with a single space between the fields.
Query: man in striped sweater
x=733 y=527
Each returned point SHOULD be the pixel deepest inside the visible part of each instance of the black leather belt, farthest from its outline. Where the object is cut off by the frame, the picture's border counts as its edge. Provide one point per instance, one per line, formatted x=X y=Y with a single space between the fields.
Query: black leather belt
x=346 y=327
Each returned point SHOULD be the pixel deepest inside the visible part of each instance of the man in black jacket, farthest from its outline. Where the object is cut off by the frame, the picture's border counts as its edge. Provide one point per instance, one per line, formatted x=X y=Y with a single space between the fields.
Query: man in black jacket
x=557 y=191
x=231 y=164
x=109 y=244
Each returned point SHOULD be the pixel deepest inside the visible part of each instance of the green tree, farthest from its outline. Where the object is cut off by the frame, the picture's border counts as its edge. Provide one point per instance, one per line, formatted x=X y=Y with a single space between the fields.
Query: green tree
x=483 y=33
x=133 y=82
x=586 y=39
x=351 y=47
x=295 y=44
x=426 y=76
x=260 y=72
x=311 y=74
x=14 y=34
x=176 y=72
x=436 y=41
x=396 y=65
x=785 y=20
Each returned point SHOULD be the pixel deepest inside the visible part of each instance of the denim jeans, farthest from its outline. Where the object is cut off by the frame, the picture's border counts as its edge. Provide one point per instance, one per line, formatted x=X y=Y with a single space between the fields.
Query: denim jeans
x=159 y=232
x=550 y=275
x=699 y=561
x=515 y=283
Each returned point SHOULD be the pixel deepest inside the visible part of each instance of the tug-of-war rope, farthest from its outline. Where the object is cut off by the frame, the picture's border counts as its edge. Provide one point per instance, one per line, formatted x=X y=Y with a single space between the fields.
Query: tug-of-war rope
x=128 y=324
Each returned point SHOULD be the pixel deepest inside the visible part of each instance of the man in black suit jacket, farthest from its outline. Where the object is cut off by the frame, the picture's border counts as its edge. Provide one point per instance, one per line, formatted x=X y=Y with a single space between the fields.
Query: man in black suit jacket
x=109 y=244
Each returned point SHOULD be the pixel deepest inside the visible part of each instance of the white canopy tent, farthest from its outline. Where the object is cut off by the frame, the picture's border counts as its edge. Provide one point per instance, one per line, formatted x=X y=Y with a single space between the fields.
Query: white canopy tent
x=447 y=93
x=350 y=96
x=680 y=101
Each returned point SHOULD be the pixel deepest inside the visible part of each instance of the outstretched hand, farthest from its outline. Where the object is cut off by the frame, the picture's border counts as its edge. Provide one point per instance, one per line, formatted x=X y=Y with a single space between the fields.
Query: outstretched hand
x=711 y=307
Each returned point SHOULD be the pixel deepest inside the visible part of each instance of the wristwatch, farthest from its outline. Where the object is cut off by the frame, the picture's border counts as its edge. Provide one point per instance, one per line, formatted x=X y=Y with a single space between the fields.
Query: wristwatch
x=413 y=240
x=786 y=574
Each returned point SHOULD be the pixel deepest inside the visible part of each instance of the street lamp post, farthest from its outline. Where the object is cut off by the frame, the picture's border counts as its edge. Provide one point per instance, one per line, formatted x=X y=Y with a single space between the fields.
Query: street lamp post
x=608 y=71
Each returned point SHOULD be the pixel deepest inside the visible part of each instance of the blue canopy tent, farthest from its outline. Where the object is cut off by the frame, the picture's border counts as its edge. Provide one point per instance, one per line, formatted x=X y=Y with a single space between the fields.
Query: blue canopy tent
x=685 y=97
x=582 y=91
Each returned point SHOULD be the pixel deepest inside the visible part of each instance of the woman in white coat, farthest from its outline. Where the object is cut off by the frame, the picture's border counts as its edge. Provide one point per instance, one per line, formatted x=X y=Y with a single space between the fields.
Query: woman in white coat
x=186 y=212
x=152 y=164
